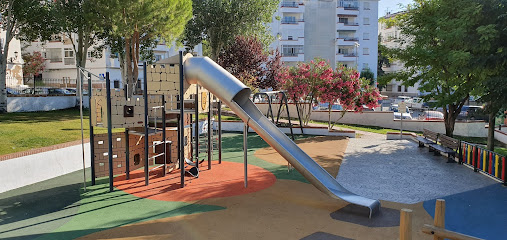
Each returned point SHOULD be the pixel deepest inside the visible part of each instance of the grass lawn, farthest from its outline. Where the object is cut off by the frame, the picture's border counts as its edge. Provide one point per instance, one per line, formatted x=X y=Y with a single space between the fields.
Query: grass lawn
x=24 y=131
x=373 y=129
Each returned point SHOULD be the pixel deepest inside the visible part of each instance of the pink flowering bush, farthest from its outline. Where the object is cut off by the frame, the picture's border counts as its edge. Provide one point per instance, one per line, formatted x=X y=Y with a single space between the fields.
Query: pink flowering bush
x=318 y=81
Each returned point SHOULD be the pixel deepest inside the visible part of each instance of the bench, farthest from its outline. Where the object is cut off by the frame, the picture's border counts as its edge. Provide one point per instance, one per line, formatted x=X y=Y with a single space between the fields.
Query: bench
x=428 y=137
x=447 y=145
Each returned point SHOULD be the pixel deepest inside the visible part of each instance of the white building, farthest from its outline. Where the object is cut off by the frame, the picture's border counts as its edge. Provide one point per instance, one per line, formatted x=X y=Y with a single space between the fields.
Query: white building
x=14 y=61
x=341 y=31
x=60 y=59
x=389 y=34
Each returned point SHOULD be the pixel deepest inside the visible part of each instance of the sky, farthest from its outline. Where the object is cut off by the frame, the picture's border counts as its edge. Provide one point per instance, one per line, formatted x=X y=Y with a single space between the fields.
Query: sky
x=391 y=6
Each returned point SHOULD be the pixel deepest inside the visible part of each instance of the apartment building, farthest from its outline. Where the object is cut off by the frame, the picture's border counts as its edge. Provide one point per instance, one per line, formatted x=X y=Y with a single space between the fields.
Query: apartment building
x=389 y=35
x=15 y=62
x=60 y=59
x=341 y=31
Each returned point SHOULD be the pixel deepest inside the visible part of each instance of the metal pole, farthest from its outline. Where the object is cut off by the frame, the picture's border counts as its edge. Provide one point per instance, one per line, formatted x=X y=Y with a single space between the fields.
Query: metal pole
x=127 y=153
x=196 y=133
x=92 y=140
x=181 y=144
x=219 y=132
x=284 y=98
x=80 y=77
x=401 y=126
x=245 y=148
x=109 y=132
x=299 y=116
x=210 y=131
x=146 y=125
x=164 y=134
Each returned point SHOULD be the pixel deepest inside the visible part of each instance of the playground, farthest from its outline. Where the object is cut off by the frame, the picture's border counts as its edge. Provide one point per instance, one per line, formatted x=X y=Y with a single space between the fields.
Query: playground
x=277 y=204
x=171 y=175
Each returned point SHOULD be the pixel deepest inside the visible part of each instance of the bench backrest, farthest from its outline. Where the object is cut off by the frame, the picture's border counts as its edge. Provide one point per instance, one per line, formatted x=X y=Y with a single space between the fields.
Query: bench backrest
x=430 y=135
x=449 y=142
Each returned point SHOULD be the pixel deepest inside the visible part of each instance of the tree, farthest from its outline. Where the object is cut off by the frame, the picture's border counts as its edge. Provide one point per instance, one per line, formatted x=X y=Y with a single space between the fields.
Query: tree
x=368 y=75
x=217 y=22
x=318 y=81
x=139 y=24
x=24 y=20
x=247 y=60
x=82 y=23
x=439 y=48
x=34 y=64
x=494 y=61
x=383 y=60
x=495 y=98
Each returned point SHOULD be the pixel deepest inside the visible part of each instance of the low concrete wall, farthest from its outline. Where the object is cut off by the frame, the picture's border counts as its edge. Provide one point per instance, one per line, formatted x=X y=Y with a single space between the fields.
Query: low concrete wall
x=386 y=120
x=501 y=135
x=237 y=126
x=26 y=170
x=40 y=103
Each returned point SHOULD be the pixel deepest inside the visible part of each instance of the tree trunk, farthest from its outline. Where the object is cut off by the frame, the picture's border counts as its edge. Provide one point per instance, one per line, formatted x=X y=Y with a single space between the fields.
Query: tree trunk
x=3 y=89
x=491 y=131
x=450 y=121
x=329 y=126
x=128 y=63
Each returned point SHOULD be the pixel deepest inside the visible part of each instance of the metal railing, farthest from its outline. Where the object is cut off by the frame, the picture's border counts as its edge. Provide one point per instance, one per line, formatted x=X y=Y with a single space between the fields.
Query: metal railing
x=45 y=86
x=292 y=21
x=290 y=4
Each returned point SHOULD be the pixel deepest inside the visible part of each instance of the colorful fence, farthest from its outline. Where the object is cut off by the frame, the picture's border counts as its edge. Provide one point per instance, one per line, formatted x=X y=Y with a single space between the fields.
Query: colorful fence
x=484 y=160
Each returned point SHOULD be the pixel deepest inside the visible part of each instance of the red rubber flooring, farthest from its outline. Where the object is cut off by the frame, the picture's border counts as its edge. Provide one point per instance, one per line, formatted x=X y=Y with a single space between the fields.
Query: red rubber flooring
x=223 y=180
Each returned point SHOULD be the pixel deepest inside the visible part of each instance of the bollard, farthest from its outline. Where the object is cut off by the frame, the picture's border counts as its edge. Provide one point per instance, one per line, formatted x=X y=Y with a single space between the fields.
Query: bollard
x=405 y=224
x=439 y=220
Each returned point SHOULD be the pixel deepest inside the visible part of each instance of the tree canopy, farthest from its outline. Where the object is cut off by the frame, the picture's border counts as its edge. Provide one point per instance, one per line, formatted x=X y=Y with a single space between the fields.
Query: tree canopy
x=138 y=24
x=247 y=60
x=24 y=20
x=218 y=22
x=440 y=48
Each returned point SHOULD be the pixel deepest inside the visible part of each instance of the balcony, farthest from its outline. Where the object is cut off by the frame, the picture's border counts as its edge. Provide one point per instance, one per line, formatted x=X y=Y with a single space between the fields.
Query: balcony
x=290 y=4
x=350 y=26
x=292 y=21
x=348 y=4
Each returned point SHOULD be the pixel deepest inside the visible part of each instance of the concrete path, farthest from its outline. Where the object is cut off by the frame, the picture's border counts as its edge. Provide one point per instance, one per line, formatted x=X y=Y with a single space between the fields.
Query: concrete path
x=400 y=171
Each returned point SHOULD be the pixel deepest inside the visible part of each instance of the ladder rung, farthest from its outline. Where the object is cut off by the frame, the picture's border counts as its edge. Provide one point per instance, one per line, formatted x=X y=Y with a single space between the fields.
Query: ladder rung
x=158 y=155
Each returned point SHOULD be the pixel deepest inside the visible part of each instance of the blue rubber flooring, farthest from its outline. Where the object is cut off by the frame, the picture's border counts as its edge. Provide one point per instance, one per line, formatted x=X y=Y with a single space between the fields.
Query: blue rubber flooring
x=480 y=213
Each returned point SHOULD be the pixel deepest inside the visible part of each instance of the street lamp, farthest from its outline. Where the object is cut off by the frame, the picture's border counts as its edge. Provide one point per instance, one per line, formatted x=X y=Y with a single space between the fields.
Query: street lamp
x=356 y=44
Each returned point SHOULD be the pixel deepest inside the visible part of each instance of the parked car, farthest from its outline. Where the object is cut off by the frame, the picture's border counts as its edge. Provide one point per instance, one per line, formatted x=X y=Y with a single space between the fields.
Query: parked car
x=38 y=91
x=12 y=91
x=58 y=91
x=472 y=113
x=431 y=115
x=406 y=116
x=325 y=106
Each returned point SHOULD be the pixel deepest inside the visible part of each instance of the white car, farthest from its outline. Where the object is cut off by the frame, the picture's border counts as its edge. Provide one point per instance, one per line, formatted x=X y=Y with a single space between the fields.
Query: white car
x=406 y=116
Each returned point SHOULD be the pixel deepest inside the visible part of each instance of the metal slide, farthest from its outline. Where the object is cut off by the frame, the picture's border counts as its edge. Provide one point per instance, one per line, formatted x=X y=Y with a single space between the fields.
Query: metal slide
x=236 y=95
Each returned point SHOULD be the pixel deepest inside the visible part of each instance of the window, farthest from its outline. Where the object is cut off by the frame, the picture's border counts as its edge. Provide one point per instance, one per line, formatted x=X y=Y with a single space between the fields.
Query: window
x=158 y=57
x=366 y=36
x=366 y=21
x=68 y=56
x=54 y=54
x=365 y=66
x=366 y=51
x=289 y=38
x=399 y=88
x=366 y=6
x=291 y=50
x=389 y=88
x=406 y=89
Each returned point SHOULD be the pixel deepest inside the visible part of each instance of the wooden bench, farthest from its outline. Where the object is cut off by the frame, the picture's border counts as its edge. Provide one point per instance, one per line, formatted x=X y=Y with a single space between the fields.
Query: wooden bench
x=428 y=137
x=447 y=145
